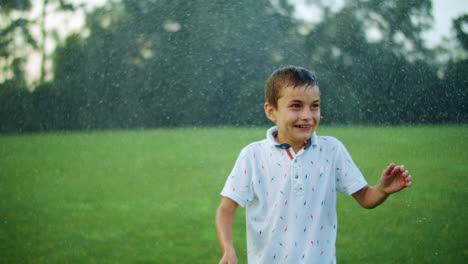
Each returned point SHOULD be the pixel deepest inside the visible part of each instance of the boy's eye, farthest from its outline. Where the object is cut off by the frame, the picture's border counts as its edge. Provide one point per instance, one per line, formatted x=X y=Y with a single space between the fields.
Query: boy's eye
x=295 y=105
x=315 y=106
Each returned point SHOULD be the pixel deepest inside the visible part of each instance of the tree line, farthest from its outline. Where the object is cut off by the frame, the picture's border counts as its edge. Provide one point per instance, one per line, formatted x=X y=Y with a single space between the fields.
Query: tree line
x=145 y=64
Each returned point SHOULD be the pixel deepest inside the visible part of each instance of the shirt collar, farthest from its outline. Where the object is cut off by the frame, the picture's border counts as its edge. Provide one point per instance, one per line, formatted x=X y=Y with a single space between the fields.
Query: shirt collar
x=271 y=136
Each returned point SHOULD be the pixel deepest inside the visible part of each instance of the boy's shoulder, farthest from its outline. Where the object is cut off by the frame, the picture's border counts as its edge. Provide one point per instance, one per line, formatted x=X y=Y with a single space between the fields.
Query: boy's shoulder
x=328 y=140
x=258 y=145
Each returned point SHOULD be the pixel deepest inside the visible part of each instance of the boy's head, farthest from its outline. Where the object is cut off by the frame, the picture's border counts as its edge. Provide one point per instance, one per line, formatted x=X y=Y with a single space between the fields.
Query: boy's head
x=293 y=103
x=290 y=76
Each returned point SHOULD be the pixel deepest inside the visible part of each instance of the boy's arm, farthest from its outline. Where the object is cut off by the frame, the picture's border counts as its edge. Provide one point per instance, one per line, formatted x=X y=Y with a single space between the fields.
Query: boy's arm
x=224 y=218
x=394 y=179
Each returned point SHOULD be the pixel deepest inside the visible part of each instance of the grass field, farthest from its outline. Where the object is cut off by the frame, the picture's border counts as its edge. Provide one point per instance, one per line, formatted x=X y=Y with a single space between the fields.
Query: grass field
x=150 y=196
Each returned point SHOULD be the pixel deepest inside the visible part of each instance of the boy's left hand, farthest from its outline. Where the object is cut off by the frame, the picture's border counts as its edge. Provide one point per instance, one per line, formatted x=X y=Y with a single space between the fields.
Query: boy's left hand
x=394 y=179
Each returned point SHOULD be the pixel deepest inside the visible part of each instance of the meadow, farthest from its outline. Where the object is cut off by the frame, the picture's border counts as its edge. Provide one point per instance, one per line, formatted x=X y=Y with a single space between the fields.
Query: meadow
x=150 y=196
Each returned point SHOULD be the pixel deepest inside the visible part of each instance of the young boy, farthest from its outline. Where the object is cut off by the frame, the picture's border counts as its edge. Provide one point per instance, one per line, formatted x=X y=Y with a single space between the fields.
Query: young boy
x=288 y=181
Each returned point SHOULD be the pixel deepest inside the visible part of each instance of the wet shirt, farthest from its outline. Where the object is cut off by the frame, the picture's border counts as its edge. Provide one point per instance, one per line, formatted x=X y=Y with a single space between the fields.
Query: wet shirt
x=290 y=198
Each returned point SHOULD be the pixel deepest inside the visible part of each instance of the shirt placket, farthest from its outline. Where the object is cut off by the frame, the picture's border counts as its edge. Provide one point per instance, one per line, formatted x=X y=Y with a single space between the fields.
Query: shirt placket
x=296 y=173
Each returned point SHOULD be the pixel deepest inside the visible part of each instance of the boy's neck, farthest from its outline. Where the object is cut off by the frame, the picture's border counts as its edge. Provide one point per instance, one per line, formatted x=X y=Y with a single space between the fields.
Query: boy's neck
x=295 y=147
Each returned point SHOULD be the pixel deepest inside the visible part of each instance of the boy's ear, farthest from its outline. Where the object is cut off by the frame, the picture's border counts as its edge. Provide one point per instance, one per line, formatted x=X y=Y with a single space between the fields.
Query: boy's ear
x=270 y=111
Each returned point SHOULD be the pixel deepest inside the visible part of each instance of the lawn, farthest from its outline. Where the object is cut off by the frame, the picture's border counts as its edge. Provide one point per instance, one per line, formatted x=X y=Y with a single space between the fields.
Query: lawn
x=149 y=196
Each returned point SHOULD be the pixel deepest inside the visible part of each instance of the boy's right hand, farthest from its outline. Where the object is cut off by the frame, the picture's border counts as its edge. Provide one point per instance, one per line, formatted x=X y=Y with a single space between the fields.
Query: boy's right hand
x=229 y=258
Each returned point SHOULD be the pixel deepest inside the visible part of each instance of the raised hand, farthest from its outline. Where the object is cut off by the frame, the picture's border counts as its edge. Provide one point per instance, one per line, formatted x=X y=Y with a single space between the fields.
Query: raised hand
x=394 y=179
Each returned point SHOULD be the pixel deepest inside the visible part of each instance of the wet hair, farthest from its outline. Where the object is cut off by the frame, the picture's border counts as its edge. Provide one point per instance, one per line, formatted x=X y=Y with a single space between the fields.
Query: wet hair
x=287 y=76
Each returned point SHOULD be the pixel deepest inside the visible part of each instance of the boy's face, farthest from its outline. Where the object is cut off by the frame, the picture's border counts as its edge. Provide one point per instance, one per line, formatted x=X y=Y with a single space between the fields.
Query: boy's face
x=297 y=114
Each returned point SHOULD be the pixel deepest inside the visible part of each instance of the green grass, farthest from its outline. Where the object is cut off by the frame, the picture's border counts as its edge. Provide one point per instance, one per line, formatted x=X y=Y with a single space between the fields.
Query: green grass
x=150 y=196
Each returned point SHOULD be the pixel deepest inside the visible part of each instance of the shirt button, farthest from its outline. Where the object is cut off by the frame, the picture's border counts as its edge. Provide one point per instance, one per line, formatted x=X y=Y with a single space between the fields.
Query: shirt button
x=296 y=176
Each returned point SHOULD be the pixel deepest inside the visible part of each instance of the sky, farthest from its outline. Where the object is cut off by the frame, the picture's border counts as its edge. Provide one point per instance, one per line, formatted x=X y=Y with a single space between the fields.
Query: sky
x=444 y=11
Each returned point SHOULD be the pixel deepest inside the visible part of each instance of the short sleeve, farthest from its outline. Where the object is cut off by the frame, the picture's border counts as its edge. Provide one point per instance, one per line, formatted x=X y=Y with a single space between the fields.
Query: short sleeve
x=349 y=178
x=238 y=186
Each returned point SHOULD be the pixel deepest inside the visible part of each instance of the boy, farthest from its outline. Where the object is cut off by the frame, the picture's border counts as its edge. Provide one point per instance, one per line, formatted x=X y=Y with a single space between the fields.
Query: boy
x=288 y=181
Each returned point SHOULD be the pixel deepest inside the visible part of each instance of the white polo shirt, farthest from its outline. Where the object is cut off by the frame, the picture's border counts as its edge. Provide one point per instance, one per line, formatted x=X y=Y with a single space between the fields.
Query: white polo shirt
x=290 y=198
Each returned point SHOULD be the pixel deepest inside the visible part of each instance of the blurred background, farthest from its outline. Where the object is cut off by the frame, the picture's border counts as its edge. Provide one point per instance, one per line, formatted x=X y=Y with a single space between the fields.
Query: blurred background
x=86 y=65
x=393 y=76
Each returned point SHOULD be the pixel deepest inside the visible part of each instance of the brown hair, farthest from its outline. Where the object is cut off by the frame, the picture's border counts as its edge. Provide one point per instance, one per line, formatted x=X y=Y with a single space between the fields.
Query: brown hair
x=287 y=76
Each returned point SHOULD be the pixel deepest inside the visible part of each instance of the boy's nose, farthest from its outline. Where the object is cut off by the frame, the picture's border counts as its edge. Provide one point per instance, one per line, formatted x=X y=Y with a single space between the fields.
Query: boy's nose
x=307 y=114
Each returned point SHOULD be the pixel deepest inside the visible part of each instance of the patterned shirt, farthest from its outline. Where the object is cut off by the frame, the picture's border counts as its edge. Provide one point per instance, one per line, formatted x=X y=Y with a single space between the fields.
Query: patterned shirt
x=290 y=198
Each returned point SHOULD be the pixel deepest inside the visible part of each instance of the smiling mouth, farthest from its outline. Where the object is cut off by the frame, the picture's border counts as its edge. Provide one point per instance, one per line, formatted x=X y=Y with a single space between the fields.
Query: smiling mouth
x=303 y=126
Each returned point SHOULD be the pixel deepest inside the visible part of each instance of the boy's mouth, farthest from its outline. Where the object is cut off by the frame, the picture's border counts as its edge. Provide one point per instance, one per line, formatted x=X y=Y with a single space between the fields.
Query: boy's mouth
x=303 y=126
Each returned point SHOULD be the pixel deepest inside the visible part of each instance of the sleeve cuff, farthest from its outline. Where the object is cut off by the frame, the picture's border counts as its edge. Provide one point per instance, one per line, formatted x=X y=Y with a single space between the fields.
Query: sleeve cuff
x=355 y=187
x=233 y=196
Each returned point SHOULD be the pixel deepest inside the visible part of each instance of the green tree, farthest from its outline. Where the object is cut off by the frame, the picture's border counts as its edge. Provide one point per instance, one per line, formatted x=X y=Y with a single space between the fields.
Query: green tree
x=213 y=57
x=15 y=100
x=460 y=24
x=400 y=21
x=175 y=63
x=101 y=75
x=455 y=78
x=14 y=36
x=373 y=81
x=17 y=41
x=60 y=6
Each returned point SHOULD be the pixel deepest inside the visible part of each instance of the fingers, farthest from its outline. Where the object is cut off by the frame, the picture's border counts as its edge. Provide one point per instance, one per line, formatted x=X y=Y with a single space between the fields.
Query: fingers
x=404 y=174
x=398 y=170
x=408 y=181
x=389 y=169
x=396 y=175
